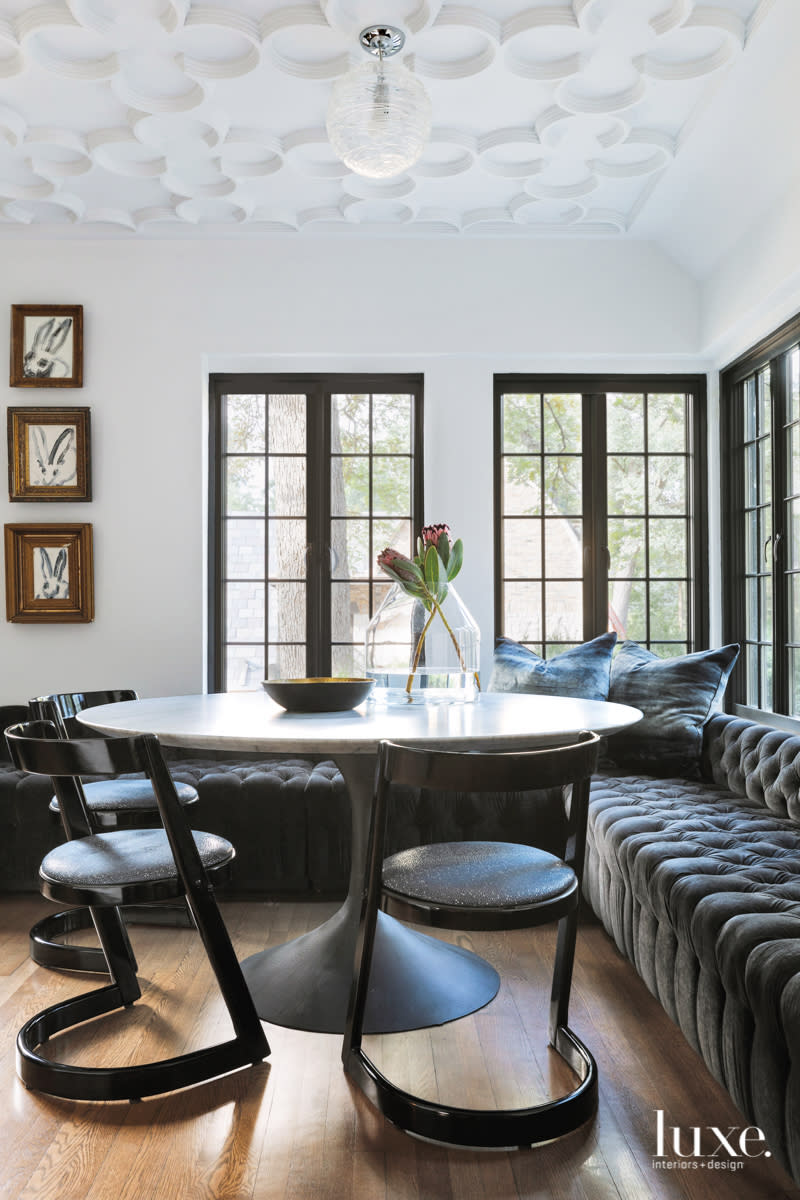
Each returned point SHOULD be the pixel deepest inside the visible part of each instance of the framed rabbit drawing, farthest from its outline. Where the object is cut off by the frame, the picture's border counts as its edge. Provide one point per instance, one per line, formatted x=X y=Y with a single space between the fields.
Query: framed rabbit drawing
x=47 y=345
x=49 y=454
x=49 y=574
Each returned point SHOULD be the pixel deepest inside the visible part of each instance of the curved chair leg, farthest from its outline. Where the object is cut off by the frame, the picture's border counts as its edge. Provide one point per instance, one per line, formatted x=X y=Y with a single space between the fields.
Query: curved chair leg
x=47 y=952
x=495 y=1128
x=247 y=1047
x=120 y=1083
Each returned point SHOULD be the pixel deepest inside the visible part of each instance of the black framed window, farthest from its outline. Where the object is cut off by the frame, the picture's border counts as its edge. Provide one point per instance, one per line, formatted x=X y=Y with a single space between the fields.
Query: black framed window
x=310 y=478
x=600 y=510
x=760 y=429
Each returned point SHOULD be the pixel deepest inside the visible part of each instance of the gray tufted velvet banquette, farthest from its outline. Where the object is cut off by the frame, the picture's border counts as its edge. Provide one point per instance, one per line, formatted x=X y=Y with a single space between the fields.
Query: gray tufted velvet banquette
x=288 y=818
x=698 y=883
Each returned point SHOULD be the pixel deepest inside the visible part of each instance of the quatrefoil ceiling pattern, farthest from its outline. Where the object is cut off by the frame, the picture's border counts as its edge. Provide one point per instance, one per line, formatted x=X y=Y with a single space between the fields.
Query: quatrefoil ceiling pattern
x=150 y=114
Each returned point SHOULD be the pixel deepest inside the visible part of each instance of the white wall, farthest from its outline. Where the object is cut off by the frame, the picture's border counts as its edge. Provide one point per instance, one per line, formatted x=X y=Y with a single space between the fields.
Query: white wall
x=756 y=287
x=160 y=314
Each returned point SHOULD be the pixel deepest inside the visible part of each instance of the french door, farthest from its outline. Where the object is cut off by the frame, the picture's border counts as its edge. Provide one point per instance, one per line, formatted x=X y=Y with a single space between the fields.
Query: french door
x=310 y=479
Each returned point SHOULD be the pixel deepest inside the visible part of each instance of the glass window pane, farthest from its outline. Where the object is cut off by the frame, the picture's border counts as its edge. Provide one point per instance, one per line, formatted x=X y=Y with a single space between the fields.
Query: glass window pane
x=393 y=532
x=766 y=678
x=627 y=609
x=669 y=611
x=765 y=538
x=765 y=595
x=626 y=546
x=288 y=542
x=244 y=612
x=794 y=459
x=350 y=549
x=563 y=604
x=287 y=424
x=624 y=423
x=391 y=485
x=749 y=387
x=793 y=533
x=563 y=485
x=244 y=549
x=764 y=392
x=668 y=649
x=562 y=416
x=349 y=486
x=379 y=593
x=666 y=484
x=286 y=662
x=522 y=427
x=244 y=485
x=245 y=422
x=391 y=424
x=626 y=484
x=348 y=661
x=349 y=611
x=287 y=612
x=794 y=607
x=522 y=549
x=667 y=543
x=666 y=423
x=350 y=424
x=563 y=556
x=287 y=487
x=522 y=486
x=794 y=384
x=794 y=682
x=751 y=606
x=764 y=469
x=753 y=697
x=751 y=475
x=523 y=612
x=244 y=668
x=752 y=542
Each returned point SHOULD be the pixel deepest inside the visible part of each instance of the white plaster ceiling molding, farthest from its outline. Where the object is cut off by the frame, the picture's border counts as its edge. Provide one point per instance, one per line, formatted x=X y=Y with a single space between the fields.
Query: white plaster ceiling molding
x=145 y=116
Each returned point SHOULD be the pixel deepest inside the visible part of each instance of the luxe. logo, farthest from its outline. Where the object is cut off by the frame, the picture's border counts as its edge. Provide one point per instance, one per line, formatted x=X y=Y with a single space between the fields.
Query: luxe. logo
x=706 y=1146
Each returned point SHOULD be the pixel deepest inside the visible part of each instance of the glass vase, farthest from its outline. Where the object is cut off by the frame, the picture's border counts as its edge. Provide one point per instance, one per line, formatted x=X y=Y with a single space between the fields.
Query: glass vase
x=421 y=656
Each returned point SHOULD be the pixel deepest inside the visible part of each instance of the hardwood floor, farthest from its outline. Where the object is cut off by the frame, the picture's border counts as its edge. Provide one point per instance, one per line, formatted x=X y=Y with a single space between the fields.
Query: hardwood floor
x=293 y=1128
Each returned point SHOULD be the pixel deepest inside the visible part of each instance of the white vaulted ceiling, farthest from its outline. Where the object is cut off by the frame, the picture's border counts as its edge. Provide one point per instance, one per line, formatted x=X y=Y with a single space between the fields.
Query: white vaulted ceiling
x=154 y=115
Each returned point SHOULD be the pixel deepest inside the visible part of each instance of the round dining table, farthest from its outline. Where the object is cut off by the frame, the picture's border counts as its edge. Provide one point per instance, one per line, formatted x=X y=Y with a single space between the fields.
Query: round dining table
x=416 y=980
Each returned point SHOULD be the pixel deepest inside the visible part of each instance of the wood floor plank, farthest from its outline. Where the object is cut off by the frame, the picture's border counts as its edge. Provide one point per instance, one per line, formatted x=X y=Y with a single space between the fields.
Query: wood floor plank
x=296 y=1129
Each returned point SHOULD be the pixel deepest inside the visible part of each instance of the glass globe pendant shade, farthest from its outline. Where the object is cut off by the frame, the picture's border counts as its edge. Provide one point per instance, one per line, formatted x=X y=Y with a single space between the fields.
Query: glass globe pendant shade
x=379 y=119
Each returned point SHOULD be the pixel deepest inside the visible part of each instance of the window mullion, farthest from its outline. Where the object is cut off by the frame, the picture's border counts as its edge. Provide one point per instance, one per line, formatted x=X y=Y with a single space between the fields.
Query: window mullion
x=595 y=516
x=780 y=600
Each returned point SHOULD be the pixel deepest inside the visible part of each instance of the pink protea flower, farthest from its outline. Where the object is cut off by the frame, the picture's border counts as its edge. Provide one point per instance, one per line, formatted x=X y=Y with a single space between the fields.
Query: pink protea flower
x=432 y=533
x=398 y=565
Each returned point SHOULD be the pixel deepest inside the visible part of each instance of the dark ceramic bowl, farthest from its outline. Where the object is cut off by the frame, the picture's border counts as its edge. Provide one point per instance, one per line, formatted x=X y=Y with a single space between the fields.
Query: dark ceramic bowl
x=317 y=695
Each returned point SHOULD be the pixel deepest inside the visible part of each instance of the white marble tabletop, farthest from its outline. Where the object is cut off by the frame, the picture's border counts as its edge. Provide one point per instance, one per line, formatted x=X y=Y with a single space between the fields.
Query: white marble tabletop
x=251 y=721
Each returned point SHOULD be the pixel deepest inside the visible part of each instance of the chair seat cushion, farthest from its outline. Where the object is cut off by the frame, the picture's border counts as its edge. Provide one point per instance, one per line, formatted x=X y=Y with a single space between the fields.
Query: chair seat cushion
x=126 y=856
x=478 y=875
x=127 y=795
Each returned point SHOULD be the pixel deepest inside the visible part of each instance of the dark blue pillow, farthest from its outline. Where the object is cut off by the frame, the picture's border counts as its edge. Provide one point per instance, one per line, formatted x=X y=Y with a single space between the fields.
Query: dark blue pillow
x=581 y=671
x=676 y=696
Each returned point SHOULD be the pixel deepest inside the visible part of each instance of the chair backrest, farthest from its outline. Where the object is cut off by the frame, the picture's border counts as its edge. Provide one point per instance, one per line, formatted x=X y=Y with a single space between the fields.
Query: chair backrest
x=514 y=771
x=570 y=765
x=38 y=748
x=63 y=707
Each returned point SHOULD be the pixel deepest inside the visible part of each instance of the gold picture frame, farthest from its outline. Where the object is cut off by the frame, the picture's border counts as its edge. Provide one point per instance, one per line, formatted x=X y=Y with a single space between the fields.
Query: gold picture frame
x=47 y=345
x=49 y=573
x=49 y=454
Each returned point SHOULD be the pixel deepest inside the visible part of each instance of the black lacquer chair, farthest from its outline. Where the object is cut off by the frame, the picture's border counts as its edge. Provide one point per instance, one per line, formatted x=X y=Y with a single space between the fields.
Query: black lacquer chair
x=111 y=804
x=479 y=885
x=103 y=871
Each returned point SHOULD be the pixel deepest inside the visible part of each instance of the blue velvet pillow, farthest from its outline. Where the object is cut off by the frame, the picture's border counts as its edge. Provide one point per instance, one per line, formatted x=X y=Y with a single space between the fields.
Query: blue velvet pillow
x=581 y=671
x=676 y=696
